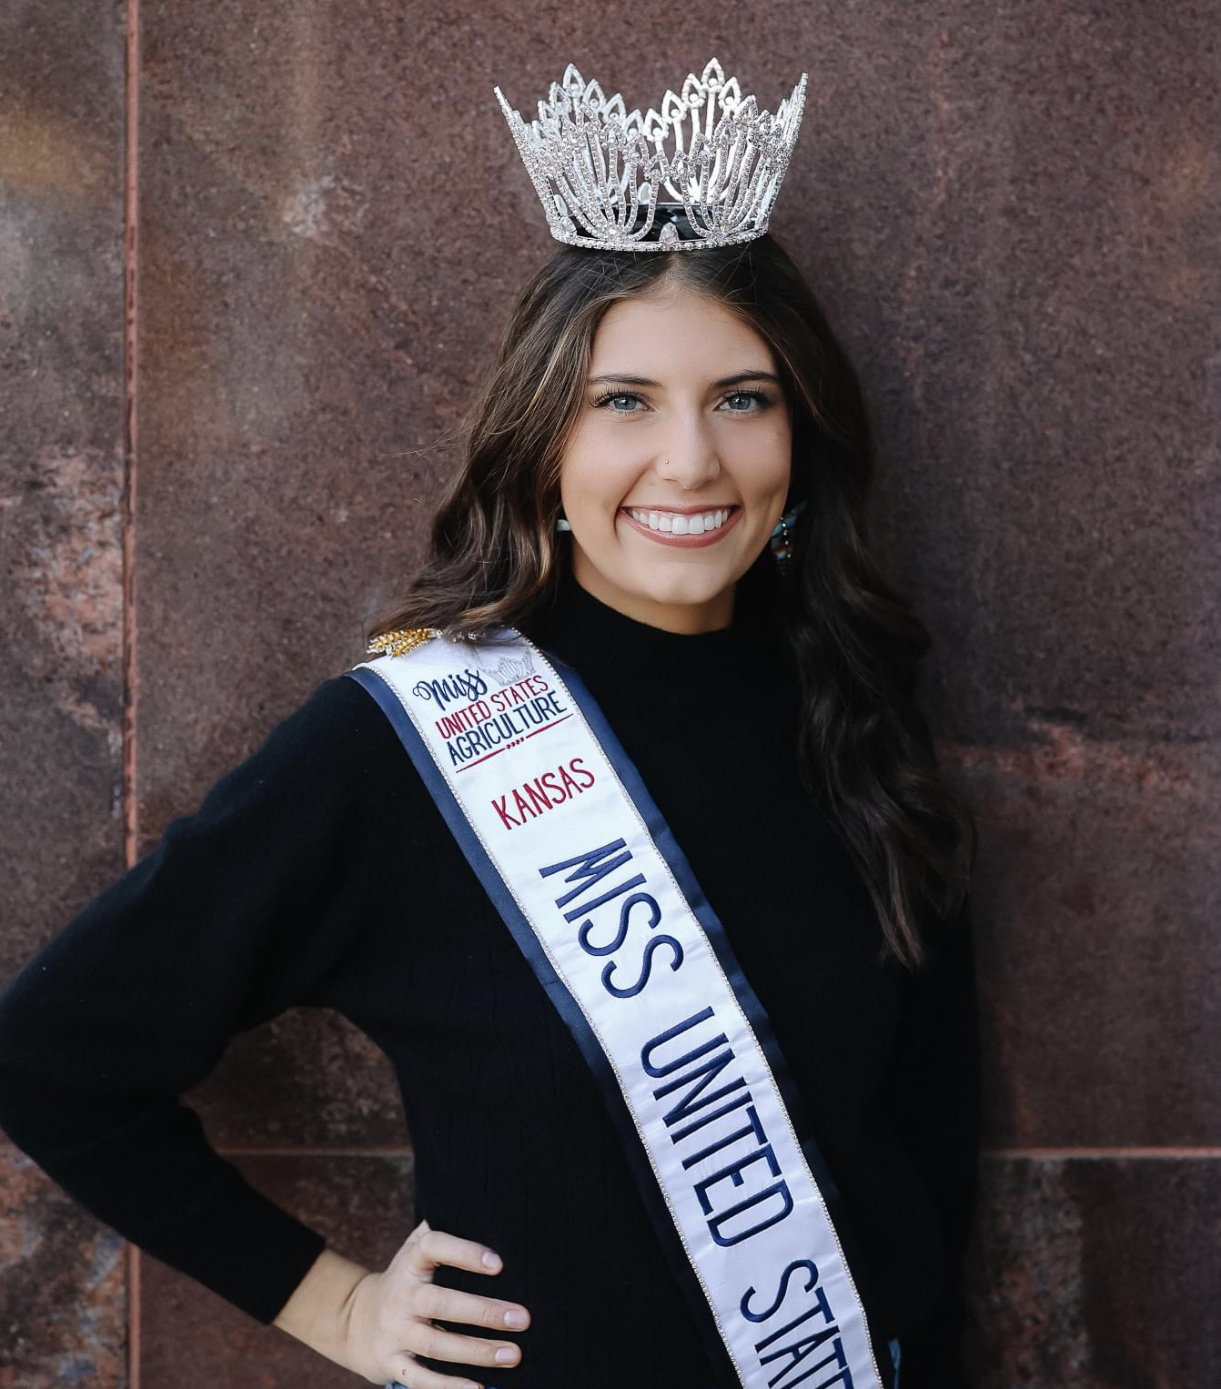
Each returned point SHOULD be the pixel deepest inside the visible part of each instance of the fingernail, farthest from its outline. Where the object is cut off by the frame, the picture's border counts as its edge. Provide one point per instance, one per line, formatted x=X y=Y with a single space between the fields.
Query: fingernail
x=490 y=1260
x=505 y=1355
x=515 y=1318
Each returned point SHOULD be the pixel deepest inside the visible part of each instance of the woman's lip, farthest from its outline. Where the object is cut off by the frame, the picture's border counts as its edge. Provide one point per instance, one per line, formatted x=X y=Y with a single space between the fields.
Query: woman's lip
x=682 y=542
x=679 y=510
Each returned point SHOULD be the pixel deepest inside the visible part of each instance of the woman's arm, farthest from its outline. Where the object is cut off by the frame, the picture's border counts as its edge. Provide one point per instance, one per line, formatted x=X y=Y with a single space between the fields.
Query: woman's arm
x=239 y=912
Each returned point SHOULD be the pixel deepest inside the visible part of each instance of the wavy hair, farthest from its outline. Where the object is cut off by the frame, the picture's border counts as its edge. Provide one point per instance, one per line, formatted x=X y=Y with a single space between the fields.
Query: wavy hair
x=494 y=556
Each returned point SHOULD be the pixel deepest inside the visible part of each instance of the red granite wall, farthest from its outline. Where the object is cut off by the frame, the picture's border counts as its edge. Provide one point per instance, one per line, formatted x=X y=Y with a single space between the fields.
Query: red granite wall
x=287 y=211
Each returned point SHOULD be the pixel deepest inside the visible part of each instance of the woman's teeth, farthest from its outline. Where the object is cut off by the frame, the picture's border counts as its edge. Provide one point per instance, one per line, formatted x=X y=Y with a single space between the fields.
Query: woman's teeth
x=680 y=523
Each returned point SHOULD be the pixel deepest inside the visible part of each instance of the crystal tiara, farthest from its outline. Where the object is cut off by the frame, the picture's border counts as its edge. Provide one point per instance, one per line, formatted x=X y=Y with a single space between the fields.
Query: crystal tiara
x=724 y=178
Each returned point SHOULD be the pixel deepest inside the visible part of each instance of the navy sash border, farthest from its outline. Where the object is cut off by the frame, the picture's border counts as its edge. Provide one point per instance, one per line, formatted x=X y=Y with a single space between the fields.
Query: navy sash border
x=523 y=933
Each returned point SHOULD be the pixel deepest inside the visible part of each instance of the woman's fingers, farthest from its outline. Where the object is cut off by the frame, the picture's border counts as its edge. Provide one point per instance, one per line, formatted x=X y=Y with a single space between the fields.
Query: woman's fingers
x=425 y=1339
x=427 y=1249
x=422 y=1337
x=414 y=1302
x=448 y=1304
x=415 y=1376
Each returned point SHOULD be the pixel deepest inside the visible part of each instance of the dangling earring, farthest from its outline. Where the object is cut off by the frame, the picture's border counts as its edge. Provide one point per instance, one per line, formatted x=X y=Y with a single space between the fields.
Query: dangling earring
x=781 y=541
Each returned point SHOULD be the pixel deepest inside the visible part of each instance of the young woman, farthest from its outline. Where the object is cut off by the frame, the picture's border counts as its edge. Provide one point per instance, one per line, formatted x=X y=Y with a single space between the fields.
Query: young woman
x=649 y=422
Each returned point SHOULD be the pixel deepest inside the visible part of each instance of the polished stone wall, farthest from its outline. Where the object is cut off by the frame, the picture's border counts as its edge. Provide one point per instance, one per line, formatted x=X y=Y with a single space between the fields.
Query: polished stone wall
x=252 y=259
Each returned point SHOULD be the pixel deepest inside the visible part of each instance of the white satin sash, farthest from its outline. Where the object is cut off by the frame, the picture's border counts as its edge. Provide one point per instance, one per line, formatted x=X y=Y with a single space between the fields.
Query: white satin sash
x=570 y=847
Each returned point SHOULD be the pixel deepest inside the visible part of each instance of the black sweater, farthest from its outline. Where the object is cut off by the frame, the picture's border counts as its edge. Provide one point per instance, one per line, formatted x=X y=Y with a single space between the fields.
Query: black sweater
x=319 y=873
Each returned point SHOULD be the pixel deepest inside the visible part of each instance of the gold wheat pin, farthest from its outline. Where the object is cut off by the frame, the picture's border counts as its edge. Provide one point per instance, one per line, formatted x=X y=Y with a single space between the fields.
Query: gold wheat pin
x=401 y=640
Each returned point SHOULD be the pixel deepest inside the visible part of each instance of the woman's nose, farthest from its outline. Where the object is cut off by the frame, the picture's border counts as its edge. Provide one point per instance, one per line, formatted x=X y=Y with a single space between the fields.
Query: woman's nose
x=690 y=460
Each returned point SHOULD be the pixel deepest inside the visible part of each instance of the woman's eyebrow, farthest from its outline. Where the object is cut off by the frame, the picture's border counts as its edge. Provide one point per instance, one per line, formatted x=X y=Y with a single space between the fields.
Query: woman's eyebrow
x=624 y=378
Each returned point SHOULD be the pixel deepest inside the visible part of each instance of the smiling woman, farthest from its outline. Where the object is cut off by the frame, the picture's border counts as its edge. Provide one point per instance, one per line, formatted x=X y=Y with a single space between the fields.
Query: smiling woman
x=647 y=422
x=630 y=851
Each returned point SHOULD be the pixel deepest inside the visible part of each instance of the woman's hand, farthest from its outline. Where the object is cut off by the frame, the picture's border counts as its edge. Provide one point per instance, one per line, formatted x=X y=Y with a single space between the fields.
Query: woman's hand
x=389 y=1315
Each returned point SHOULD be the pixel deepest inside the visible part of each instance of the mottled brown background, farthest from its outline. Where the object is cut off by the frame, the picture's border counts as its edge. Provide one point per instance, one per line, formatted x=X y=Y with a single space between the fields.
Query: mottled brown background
x=228 y=349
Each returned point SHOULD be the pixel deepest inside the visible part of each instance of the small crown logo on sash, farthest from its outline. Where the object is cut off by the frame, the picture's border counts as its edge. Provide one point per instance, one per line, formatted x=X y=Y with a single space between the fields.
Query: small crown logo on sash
x=509 y=671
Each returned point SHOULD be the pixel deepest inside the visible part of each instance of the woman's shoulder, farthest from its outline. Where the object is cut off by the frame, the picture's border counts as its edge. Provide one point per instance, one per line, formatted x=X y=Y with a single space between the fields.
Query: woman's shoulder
x=337 y=716
x=333 y=751
x=341 y=752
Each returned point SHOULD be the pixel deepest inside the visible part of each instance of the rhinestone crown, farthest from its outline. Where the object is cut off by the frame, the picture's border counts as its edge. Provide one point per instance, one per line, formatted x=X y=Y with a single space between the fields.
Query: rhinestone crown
x=724 y=178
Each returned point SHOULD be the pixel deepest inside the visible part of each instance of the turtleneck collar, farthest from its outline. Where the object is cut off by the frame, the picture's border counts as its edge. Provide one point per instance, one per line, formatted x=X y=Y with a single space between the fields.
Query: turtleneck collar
x=602 y=642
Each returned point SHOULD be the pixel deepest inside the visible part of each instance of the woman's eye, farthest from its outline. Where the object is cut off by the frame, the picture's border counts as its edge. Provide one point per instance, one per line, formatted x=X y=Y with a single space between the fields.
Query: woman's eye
x=755 y=401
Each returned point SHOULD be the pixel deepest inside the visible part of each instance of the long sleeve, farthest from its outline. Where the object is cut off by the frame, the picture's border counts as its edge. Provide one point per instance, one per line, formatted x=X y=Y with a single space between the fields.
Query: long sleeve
x=936 y=1101
x=239 y=912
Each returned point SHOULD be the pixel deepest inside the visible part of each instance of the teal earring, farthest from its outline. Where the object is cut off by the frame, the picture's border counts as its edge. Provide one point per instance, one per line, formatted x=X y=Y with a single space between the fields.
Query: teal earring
x=781 y=540
x=562 y=524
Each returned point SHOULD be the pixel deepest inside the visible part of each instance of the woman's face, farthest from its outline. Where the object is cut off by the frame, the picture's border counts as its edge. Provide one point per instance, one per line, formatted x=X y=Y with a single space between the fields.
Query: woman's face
x=678 y=466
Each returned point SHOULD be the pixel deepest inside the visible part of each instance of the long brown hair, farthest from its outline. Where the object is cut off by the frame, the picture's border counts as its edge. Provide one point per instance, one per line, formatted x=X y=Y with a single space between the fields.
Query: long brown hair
x=494 y=556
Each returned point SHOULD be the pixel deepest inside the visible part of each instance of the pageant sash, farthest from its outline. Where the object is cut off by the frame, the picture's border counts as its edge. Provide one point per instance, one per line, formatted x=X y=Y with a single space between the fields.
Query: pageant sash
x=572 y=851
